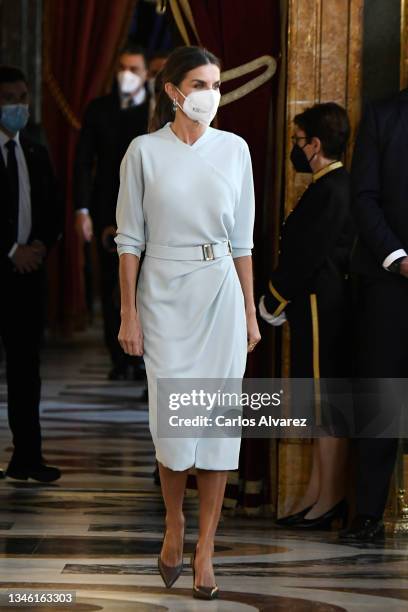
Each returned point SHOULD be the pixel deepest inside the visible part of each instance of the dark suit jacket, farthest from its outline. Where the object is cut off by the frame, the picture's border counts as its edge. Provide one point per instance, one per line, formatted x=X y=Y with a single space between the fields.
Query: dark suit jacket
x=45 y=202
x=105 y=136
x=380 y=184
x=315 y=246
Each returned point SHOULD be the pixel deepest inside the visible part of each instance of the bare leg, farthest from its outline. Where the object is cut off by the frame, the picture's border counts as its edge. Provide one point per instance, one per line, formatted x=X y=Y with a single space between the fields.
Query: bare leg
x=173 y=485
x=333 y=462
x=312 y=492
x=211 y=489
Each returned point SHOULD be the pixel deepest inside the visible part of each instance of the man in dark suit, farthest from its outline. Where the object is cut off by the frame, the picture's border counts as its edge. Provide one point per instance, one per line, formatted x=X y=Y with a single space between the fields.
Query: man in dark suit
x=29 y=226
x=110 y=124
x=380 y=203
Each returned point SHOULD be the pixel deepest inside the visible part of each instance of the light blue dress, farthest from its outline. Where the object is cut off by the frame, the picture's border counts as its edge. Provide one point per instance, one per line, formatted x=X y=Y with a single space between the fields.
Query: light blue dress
x=192 y=312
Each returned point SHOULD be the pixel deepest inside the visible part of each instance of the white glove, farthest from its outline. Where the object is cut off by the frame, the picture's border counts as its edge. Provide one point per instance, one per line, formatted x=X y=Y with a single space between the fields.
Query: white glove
x=266 y=316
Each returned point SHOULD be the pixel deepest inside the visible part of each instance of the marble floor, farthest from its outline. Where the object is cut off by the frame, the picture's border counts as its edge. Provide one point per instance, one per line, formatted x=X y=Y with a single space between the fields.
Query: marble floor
x=97 y=531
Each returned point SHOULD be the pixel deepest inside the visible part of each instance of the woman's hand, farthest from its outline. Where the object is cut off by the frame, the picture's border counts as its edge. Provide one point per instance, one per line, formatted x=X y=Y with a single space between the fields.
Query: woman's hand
x=130 y=334
x=252 y=329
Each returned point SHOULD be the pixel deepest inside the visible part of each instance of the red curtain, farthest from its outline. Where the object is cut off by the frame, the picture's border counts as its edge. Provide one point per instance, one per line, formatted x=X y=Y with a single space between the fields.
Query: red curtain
x=238 y=31
x=81 y=41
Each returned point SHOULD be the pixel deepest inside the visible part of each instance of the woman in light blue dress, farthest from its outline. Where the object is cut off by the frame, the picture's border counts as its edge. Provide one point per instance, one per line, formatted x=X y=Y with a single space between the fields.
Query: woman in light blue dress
x=186 y=198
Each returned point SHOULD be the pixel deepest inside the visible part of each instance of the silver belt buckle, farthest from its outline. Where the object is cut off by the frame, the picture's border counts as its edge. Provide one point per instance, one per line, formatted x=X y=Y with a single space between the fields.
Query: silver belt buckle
x=208 y=252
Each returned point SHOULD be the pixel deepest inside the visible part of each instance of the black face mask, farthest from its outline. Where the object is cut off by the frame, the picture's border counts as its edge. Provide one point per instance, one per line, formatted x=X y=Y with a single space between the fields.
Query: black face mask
x=299 y=159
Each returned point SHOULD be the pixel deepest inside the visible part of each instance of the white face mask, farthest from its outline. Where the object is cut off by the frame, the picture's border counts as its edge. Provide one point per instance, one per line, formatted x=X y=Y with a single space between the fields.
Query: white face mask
x=14 y=117
x=201 y=105
x=128 y=81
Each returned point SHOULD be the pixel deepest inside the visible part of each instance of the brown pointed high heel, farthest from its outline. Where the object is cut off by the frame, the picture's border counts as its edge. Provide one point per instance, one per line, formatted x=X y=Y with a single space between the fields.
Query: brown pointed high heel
x=170 y=573
x=203 y=592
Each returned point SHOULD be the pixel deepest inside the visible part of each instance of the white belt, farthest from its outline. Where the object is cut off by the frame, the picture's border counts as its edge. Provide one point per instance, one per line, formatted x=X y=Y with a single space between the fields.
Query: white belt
x=204 y=252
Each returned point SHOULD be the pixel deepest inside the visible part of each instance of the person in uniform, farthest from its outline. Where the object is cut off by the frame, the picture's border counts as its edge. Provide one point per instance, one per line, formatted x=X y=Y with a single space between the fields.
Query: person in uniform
x=309 y=289
x=186 y=198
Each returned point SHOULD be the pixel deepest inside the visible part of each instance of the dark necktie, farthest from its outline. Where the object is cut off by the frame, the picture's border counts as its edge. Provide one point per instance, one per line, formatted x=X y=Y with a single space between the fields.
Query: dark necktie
x=12 y=170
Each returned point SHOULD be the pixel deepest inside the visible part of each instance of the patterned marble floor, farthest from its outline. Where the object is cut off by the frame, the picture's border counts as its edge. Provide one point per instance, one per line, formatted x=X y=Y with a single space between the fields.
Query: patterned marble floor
x=98 y=530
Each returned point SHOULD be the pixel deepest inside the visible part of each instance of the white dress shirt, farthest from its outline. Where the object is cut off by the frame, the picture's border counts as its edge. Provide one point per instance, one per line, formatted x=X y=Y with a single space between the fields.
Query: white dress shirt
x=393 y=257
x=24 y=195
x=137 y=99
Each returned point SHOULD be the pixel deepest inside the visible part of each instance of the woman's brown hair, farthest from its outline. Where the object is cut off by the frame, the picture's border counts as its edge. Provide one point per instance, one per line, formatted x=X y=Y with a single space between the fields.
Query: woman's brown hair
x=178 y=64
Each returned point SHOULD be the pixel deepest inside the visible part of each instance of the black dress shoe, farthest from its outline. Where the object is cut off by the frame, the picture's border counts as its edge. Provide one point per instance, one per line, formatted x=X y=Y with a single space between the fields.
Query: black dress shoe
x=292 y=519
x=40 y=472
x=363 y=529
x=339 y=511
x=203 y=592
x=169 y=573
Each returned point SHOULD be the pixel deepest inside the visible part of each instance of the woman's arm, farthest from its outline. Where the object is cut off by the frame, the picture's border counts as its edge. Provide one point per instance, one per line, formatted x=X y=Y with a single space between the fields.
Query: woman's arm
x=243 y=266
x=130 y=333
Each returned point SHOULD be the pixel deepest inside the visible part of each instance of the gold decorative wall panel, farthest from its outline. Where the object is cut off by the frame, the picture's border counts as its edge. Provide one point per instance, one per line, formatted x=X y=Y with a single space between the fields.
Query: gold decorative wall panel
x=324 y=64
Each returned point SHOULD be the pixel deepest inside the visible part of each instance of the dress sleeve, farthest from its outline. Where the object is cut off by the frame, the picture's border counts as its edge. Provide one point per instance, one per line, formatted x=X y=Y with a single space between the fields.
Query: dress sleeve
x=130 y=236
x=242 y=234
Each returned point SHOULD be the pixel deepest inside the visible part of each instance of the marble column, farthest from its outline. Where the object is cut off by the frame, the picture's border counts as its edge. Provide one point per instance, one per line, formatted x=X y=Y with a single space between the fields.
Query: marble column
x=323 y=64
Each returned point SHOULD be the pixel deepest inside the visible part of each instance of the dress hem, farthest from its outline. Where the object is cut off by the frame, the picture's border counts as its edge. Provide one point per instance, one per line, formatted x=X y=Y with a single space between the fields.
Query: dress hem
x=198 y=467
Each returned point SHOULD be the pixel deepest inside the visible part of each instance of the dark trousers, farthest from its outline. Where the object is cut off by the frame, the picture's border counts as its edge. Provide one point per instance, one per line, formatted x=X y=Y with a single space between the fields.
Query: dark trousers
x=109 y=277
x=110 y=298
x=21 y=326
x=382 y=352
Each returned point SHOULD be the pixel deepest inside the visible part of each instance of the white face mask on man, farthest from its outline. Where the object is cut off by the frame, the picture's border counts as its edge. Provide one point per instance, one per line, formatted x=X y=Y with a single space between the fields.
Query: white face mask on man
x=201 y=105
x=128 y=81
